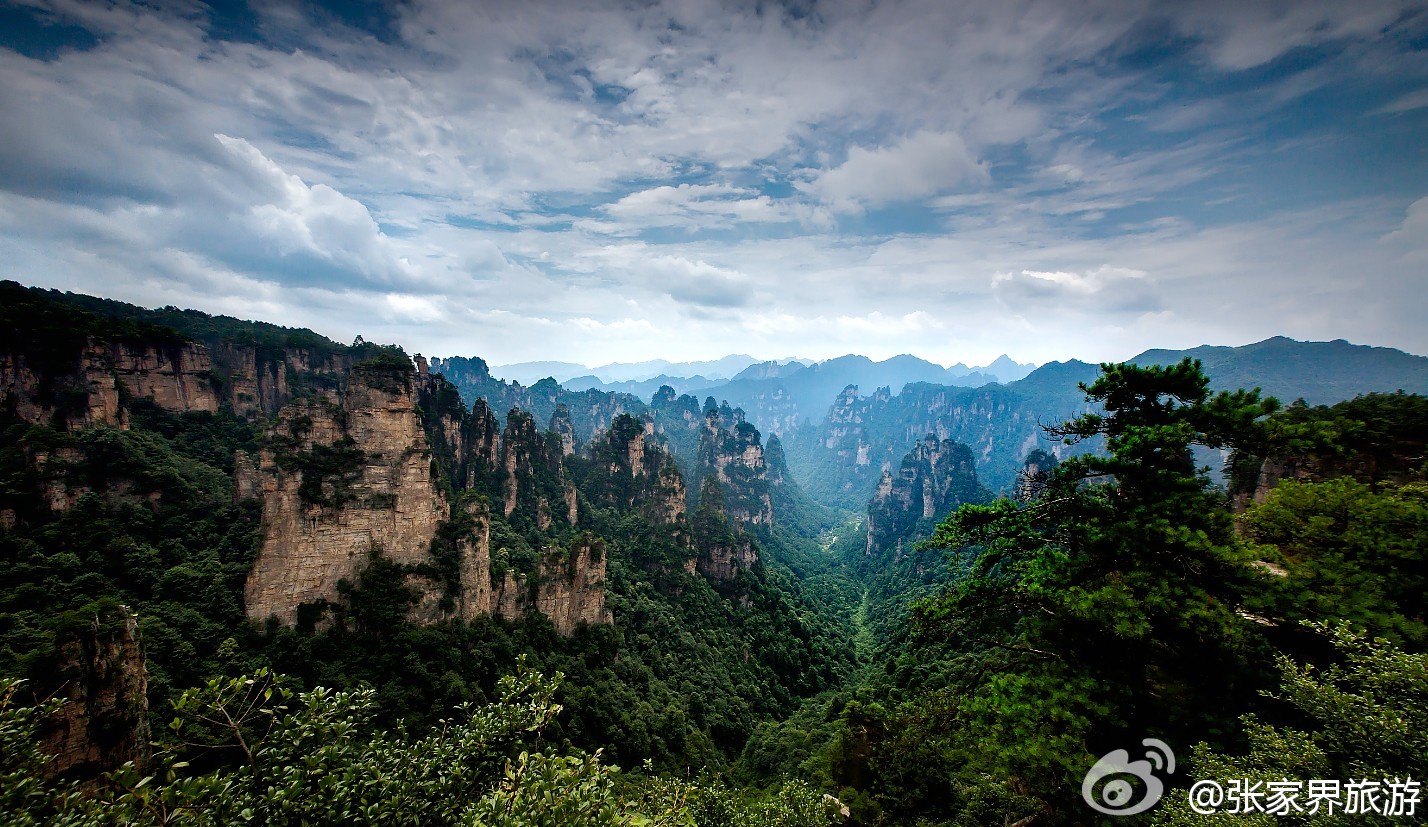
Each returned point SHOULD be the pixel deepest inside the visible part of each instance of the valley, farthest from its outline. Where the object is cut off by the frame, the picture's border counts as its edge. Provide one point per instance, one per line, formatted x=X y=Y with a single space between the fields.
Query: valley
x=795 y=600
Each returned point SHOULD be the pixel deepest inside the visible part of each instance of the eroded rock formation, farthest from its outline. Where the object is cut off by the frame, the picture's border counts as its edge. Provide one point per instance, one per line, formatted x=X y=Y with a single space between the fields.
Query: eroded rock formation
x=730 y=451
x=346 y=477
x=934 y=479
x=103 y=719
x=342 y=477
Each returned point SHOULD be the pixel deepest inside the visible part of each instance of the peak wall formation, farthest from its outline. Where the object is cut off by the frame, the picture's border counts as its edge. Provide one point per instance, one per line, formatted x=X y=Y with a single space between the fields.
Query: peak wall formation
x=380 y=458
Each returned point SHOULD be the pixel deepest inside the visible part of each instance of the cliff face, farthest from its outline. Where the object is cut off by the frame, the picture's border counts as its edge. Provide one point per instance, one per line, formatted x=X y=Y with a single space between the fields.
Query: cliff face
x=723 y=550
x=730 y=452
x=1035 y=473
x=533 y=481
x=1375 y=438
x=260 y=383
x=629 y=469
x=568 y=585
x=466 y=444
x=841 y=461
x=178 y=376
x=340 y=478
x=345 y=476
x=91 y=389
x=563 y=427
x=934 y=479
x=103 y=721
x=722 y=562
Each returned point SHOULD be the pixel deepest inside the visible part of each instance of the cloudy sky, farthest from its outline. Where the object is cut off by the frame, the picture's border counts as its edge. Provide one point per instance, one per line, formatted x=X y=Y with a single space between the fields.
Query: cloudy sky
x=602 y=181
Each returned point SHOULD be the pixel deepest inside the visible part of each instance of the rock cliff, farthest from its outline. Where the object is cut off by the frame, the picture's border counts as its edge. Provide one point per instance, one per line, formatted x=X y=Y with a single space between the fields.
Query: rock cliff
x=629 y=469
x=103 y=720
x=567 y=585
x=342 y=477
x=730 y=452
x=934 y=479
x=533 y=475
x=93 y=387
x=1375 y=438
x=724 y=550
x=258 y=382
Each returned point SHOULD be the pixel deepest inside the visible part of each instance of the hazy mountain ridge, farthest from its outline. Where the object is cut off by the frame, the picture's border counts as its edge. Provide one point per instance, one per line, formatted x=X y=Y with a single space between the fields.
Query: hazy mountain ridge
x=840 y=459
x=615 y=373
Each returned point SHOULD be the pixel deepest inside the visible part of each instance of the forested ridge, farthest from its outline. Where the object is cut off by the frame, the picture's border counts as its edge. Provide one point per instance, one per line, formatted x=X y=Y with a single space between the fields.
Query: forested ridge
x=944 y=655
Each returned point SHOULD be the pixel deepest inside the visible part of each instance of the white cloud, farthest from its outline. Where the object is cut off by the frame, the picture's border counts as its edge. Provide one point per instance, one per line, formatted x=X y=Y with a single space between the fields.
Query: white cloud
x=921 y=165
x=1104 y=289
x=314 y=220
x=458 y=187
x=1412 y=235
x=699 y=283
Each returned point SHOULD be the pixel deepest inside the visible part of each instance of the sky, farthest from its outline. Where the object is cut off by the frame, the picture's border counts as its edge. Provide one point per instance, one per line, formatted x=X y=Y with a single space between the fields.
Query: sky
x=599 y=181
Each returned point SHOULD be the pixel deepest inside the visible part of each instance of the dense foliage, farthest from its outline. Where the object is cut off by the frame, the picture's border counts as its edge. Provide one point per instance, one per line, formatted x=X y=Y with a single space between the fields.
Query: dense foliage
x=1119 y=594
x=315 y=758
x=1122 y=598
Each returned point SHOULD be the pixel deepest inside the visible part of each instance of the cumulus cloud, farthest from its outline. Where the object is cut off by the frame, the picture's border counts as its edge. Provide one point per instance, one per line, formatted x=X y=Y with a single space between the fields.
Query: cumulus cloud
x=1412 y=234
x=699 y=283
x=314 y=221
x=1107 y=289
x=923 y=164
x=462 y=176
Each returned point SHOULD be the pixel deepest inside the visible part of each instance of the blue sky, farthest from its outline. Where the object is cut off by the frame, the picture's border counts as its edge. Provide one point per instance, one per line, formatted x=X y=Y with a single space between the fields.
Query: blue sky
x=598 y=182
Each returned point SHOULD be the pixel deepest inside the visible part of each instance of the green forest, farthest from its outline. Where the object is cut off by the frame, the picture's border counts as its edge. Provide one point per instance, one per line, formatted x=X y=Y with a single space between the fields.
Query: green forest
x=769 y=659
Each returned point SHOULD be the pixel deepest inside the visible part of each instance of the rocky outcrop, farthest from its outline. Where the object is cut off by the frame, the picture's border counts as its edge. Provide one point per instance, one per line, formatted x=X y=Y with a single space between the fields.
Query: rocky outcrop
x=631 y=470
x=723 y=549
x=1035 y=474
x=342 y=477
x=103 y=719
x=934 y=479
x=730 y=452
x=567 y=585
x=93 y=388
x=722 y=562
x=465 y=443
x=570 y=586
x=532 y=474
x=562 y=427
x=180 y=376
x=1377 y=438
x=259 y=382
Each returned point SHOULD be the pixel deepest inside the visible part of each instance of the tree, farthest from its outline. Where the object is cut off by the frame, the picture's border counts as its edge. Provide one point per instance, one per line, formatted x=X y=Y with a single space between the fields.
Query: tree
x=1108 y=609
x=1364 y=718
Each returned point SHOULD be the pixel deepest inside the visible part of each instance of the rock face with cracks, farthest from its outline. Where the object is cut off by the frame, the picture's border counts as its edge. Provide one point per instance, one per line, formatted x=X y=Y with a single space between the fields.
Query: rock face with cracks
x=342 y=477
x=347 y=476
x=934 y=479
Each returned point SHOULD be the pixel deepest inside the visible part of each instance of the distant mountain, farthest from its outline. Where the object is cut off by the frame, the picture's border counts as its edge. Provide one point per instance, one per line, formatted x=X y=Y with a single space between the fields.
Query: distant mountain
x=606 y=377
x=839 y=457
x=772 y=370
x=724 y=368
x=1320 y=372
x=1005 y=370
x=529 y=373
x=777 y=398
x=644 y=388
